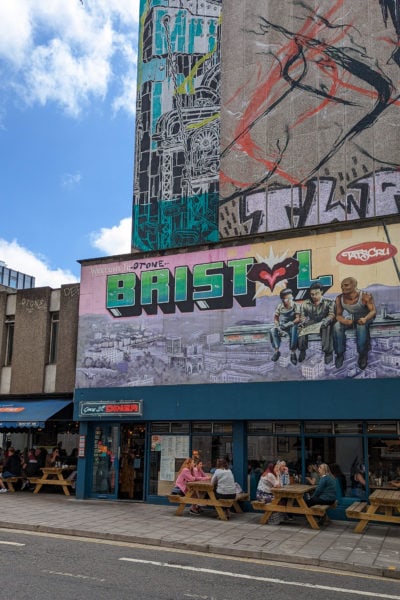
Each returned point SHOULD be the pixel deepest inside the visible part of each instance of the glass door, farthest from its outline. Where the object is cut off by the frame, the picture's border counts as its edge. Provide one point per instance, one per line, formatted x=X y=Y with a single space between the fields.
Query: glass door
x=131 y=466
x=105 y=461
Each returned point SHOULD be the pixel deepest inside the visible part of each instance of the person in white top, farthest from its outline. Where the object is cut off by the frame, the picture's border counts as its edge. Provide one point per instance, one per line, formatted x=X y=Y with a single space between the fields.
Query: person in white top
x=267 y=482
x=224 y=482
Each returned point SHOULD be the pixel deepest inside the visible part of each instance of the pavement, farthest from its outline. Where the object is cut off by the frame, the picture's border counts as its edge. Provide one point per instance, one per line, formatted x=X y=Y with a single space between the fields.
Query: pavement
x=335 y=546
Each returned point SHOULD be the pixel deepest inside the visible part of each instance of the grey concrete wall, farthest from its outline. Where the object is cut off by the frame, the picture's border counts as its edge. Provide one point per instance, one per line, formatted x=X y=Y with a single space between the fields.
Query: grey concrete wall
x=68 y=333
x=310 y=116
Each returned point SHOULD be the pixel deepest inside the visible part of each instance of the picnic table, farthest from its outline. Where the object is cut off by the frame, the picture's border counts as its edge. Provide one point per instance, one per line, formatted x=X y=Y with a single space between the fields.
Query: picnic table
x=202 y=493
x=383 y=506
x=54 y=476
x=289 y=499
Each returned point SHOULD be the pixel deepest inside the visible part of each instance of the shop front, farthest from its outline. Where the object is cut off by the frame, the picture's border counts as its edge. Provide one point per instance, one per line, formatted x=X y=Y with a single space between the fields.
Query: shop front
x=252 y=352
x=137 y=457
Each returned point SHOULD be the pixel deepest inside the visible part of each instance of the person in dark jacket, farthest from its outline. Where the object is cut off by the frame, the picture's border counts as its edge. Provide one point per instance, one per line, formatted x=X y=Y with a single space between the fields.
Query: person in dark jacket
x=12 y=466
x=325 y=492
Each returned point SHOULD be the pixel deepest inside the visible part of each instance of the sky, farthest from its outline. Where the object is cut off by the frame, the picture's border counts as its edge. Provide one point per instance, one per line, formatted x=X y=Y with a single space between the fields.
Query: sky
x=67 y=118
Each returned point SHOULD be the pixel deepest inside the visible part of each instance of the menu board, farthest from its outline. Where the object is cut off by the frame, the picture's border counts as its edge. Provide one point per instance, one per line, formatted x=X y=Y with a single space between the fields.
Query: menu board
x=172 y=447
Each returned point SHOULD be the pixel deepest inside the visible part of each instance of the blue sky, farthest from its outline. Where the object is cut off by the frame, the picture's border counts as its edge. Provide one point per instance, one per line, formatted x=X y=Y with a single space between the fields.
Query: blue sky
x=67 y=110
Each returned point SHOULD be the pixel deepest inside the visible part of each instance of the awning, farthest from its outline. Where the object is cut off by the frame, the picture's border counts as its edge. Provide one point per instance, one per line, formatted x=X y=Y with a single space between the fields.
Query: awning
x=29 y=413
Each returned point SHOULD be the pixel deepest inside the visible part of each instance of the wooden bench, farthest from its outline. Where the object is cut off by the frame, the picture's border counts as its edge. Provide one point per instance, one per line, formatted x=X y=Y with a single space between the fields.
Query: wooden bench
x=318 y=510
x=53 y=476
x=384 y=507
x=9 y=481
x=209 y=499
x=289 y=499
x=354 y=510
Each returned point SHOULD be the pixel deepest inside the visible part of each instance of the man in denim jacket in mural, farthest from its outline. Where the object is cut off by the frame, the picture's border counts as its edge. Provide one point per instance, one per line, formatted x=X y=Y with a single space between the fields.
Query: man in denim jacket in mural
x=316 y=316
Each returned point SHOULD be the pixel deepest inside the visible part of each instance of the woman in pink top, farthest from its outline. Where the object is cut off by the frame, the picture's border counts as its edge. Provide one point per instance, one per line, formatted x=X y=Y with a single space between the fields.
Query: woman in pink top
x=185 y=475
x=198 y=469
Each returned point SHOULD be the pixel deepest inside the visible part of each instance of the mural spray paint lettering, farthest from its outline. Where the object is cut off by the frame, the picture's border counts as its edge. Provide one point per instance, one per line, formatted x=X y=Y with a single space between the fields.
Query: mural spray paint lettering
x=209 y=286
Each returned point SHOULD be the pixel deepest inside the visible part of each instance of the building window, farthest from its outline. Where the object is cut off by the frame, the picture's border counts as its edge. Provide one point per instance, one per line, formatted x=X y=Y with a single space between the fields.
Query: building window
x=10 y=323
x=55 y=320
x=13 y=278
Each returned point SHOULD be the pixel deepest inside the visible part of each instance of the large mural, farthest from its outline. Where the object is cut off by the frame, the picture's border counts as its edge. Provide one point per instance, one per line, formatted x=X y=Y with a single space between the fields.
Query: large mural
x=315 y=307
x=177 y=125
x=310 y=113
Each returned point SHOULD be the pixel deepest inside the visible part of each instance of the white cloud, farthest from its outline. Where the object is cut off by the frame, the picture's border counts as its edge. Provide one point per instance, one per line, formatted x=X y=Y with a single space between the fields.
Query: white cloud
x=19 y=258
x=67 y=52
x=70 y=180
x=127 y=99
x=114 y=240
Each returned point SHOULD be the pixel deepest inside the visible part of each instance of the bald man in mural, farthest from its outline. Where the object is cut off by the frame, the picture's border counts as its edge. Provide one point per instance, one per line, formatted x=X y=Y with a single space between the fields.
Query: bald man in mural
x=355 y=309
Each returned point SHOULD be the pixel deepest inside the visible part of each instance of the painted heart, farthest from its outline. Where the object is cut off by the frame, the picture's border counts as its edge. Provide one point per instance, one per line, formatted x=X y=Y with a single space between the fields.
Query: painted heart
x=263 y=273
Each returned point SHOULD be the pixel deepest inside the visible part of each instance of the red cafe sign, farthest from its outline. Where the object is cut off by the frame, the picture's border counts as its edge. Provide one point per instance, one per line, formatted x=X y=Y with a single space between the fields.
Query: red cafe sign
x=366 y=253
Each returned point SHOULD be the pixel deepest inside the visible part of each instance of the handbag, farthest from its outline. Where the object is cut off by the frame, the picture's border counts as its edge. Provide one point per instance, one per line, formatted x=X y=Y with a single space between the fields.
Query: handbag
x=176 y=491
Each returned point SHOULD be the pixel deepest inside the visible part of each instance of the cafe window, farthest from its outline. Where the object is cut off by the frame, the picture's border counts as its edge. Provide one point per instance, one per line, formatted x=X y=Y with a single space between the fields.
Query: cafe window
x=209 y=448
x=387 y=427
x=180 y=427
x=202 y=427
x=287 y=427
x=167 y=427
x=347 y=427
x=160 y=427
x=259 y=427
x=317 y=427
x=384 y=460
x=212 y=427
x=225 y=428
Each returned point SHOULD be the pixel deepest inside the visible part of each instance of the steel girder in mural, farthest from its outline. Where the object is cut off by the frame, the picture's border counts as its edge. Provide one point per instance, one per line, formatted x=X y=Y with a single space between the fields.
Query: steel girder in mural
x=310 y=113
x=177 y=128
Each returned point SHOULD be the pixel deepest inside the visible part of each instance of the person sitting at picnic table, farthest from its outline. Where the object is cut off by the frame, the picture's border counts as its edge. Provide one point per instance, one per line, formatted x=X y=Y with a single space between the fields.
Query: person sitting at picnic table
x=185 y=475
x=268 y=480
x=325 y=492
x=53 y=458
x=3 y=488
x=313 y=476
x=198 y=468
x=282 y=472
x=358 y=484
x=72 y=459
x=224 y=483
x=30 y=467
x=13 y=465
